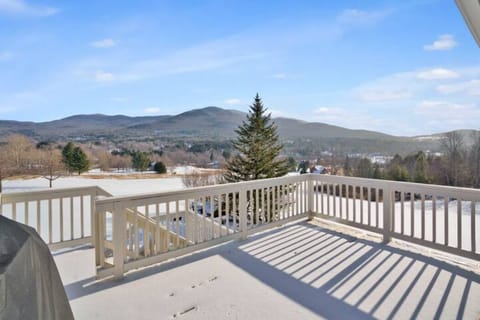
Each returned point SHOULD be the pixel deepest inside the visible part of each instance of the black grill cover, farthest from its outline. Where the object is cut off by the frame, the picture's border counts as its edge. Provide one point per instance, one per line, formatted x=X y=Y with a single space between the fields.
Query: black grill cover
x=30 y=286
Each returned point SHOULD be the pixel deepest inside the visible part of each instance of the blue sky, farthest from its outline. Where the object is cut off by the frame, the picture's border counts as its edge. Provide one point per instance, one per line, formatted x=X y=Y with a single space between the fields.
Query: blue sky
x=400 y=67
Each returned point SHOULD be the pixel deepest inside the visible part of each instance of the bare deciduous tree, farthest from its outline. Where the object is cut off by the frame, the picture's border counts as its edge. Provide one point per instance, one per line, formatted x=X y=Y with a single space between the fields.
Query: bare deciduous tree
x=474 y=160
x=198 y=179
x=50 y=165
x=17 y=156
x=453 y=148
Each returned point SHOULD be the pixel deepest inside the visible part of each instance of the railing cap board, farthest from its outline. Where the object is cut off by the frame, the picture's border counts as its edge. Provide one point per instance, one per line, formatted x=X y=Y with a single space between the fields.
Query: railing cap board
x=429 y=189
x=152 y=198
x=51 y=194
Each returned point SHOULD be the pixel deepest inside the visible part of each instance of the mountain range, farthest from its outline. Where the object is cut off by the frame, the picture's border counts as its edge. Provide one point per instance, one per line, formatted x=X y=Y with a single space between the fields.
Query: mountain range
x=210 y=123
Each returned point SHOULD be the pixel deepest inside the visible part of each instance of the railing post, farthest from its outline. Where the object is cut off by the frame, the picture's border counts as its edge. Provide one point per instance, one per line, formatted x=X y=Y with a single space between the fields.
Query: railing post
x=387 y=213
x=119 y=230
x=242 y=211
x=94 y=223
x=310 y=197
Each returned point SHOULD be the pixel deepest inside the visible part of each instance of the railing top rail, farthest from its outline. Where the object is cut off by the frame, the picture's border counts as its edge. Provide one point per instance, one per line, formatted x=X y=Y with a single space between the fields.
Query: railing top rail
x=194 y=192
x=48 y=193
x=402 y=186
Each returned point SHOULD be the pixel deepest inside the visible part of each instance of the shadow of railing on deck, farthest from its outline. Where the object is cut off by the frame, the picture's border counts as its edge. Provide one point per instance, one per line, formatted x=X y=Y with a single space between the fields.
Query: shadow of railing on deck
x=334 y=275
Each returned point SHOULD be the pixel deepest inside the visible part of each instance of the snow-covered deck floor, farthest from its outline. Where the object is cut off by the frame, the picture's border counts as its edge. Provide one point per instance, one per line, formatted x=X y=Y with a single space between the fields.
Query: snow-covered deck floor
x=301 y=271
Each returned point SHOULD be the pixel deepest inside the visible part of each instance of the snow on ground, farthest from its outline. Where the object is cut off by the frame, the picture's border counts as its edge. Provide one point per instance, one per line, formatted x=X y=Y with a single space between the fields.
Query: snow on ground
x=110 y=184
x=300 y=271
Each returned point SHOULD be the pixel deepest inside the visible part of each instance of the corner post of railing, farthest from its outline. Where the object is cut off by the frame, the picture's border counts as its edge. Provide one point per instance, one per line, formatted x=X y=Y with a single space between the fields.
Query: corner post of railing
x=387 y=213
x=94 y=221
x=119 y=238
x=242 y=211
x=310 y=195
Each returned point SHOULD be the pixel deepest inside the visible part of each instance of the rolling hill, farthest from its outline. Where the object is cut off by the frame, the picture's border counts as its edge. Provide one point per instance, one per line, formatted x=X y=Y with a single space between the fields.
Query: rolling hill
x=212 y=123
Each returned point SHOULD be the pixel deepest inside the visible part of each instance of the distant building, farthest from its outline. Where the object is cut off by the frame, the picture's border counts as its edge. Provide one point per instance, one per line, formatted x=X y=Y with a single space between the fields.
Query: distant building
x=318 y=169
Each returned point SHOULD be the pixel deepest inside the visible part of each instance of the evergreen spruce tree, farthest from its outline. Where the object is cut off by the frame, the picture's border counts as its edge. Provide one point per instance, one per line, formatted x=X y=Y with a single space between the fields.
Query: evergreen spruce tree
x=67 y=156
x=421 y=169
x=74 y=159
x=80 y=160
x=140 y=160
x=258 y=148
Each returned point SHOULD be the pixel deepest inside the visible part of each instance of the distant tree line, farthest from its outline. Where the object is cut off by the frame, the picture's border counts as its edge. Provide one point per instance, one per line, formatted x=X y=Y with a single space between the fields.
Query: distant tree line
x=19 y=155
x=458 y=165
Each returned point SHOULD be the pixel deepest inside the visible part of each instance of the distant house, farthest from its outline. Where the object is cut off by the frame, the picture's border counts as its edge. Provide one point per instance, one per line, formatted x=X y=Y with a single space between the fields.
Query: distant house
x=318 y=169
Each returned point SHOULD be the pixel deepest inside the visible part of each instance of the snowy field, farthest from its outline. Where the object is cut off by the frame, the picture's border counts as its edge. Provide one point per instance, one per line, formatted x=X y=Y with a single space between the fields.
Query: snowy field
x=112 y=185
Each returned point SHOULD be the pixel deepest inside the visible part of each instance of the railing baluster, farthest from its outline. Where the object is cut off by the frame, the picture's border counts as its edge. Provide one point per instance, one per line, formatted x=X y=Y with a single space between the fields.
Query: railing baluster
x=71 y=217
x=39 y=224
x=472 y=228
x=347 y=201
x=305 y=196
x=369 y=206
x=219 y=214
x=277 y=202
x=423 y=215
x=329 y=213
x=412 y=214
x=82 y=234
x=227 y=213
x=242 y=210
x=362 y=202
x=136 y=252
x=167 y=224
x=50 y=221
x=269 y=207
x=355 y=203
x=157 y=230
x=434 y=218
x=61 y=221
x=445 y=208
x=322 y=194
x=402 y=212
x=459 y=223
x=340 y=197
x=235 y=212
x=177 y=222
x=377 y=214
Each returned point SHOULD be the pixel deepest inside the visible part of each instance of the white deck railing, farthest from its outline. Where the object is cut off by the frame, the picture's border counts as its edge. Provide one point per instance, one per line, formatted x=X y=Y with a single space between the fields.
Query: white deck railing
x=439 y=217
x=136 y=231
x=146 y=229
x=62 y=217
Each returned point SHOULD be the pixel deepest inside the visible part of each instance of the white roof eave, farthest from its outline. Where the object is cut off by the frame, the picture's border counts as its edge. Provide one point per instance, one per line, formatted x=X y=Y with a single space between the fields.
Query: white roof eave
x=470 y=10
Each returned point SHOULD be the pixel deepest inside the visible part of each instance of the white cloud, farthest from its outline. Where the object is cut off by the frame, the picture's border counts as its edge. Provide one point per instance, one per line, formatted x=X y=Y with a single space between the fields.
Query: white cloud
x=233 y=102
x=20 y=7
x=5 y=56
x=382 y=95
x=437 y=74
x=444 y=42
x=462 y=115
x=356 y=16
x=348 y=118
x=446 y=115
x=119 y=99
x=104 y=43
x=102 y=76
x=151 y=110
x=275 y=113
x=471 y=87
x=279 y=76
